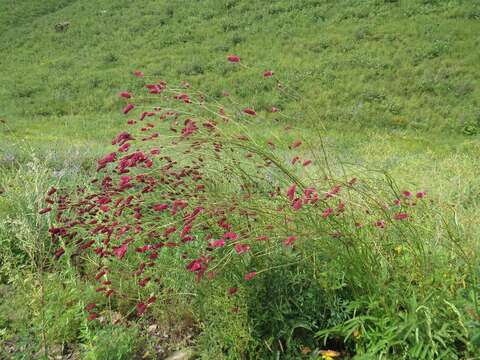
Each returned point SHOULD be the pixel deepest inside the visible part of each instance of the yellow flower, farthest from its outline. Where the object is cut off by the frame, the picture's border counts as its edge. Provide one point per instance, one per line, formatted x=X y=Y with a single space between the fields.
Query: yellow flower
x=329 y=354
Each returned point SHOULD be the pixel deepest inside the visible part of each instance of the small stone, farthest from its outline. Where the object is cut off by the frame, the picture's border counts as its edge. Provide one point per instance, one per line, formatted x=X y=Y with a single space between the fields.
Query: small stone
x=185 y=354
x=152 y=328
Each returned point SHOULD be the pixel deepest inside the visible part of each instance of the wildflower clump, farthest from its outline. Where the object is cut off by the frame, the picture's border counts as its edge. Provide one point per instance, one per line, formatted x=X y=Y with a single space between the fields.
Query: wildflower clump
x=187 y=188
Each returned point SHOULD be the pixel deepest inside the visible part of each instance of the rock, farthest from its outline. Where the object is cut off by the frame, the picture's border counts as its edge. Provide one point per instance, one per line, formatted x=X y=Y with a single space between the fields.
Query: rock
x=61 y=27
x=185 y=354
x=152 y=328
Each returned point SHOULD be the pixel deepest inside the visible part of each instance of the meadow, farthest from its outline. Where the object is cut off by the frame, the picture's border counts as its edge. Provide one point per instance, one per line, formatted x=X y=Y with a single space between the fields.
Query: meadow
x=328 y=209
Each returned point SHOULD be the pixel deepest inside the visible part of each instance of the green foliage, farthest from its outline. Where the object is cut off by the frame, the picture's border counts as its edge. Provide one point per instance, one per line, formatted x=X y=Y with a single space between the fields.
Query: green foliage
x=357 y=61
x=109 y=342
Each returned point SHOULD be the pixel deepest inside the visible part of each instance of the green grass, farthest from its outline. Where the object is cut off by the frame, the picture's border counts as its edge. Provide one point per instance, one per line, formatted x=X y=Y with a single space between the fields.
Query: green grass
x=400 y=64
x=391 y=86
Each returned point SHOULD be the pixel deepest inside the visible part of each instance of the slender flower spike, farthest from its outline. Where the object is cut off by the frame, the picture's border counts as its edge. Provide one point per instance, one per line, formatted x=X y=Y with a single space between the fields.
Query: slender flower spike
x=120 y=251
x=250 y=275
x=290 y=240
x=400 y=216
x=380 y=224
x=233 y=58
x=268 y=73
x=160 y=207
x=92 y=316
x=232 y=291
x=59 y=252
x=141 y=307
x=297 y=204
x=242 y=248
x=90 y=307
x=327 y=212
x=128 y=108
x=194 y=265
x=217 y=243
x=125 y=94
x=250 y=111
x=45 y=210
x=230 y=236
x=296 y=144
x=291 y=192
x=307 y=162
x=421 y=194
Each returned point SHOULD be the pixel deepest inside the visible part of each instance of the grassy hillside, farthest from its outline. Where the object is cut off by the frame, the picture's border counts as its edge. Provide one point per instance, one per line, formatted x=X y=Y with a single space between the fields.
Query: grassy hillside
x=387 y=64
x=380 y=86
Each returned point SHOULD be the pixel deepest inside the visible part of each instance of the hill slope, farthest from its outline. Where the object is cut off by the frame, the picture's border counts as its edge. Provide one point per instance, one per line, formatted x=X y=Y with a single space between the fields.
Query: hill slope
x=382 y=63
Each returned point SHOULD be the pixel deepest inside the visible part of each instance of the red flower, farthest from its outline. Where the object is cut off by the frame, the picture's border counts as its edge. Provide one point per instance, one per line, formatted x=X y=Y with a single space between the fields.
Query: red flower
x=407 y=193
x=186 y=230
x=233 y=58
x=120 y=251
x=232 y=290
x=59 y=252
x=141 y=307
x=250 y=275
x=90 y=307
x=291 y=192
x=400 y=216
x=268 y=73
x=160 y=207
x=128 y=108
x=92 y=316
x=327 y=212
x=297 y=204
x=421 y=194
x=290 y=240
x=217 y=243
x=335 y=190
x=170 y=230
x=295 y=144
x=242 y=248
x=380 y=224
x=125 y=94
x=45 y=210
x=274 y=109
x=124 y=147
x=307 y=162
x=195 y=265
x=230 y=236
x=143 y=282
x=100 y=274
x=250 y=111
x=138 y=73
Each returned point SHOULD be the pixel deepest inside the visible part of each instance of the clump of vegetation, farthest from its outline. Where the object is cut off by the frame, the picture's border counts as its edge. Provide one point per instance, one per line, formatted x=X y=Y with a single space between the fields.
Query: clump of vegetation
x=274 y=241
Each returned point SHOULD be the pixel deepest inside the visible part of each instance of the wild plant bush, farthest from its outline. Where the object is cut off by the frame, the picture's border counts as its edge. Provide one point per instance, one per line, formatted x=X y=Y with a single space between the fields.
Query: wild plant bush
x=188 y=204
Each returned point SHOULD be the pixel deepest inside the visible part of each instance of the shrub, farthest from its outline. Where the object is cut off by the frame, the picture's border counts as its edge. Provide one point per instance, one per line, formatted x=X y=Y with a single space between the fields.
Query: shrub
x=189 y=196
